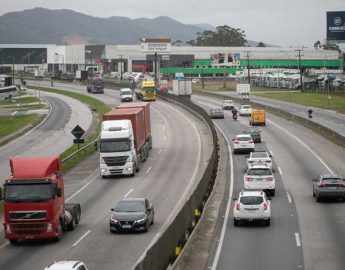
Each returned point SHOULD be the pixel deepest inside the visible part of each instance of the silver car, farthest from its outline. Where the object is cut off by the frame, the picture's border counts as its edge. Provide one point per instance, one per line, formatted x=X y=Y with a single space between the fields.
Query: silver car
x=328 y=186
x=216 y=113
x=259 y=158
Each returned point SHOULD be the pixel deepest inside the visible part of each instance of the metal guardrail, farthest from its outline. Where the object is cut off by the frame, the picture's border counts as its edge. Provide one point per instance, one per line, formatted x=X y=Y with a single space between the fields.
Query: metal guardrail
x=90 y=145
x=162 y=253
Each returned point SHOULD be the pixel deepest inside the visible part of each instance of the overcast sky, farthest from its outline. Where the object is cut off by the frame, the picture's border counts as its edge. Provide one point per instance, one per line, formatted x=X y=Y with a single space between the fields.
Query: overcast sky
x=279 y=22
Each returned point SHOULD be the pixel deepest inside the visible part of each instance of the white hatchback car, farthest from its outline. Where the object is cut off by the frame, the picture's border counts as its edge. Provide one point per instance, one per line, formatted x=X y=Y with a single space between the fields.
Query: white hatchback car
x=66 y=265
x=126 y=94
x=243 y=143
x=260 y=177
x=245 y=110
x=259 y=158
x=252 y=205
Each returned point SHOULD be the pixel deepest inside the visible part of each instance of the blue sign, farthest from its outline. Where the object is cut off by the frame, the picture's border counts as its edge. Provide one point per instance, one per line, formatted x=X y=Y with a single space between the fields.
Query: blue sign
x=336 y=26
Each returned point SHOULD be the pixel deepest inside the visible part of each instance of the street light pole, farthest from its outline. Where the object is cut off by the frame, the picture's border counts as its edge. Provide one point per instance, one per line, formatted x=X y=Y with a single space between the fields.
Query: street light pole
x=300 y=67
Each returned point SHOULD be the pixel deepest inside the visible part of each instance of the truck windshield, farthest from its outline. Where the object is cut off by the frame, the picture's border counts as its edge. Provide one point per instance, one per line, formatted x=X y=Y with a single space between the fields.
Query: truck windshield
x=149 y=89
x=107 y=146
x=28 y=192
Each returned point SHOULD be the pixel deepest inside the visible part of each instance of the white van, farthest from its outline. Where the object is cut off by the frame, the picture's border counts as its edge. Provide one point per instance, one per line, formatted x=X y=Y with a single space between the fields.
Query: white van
x=126 y=94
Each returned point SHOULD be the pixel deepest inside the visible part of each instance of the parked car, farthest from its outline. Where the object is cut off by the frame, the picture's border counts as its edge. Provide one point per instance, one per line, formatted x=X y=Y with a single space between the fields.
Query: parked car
x=132 y=214
x=259 y=158
x=243 y=143
x=66 y=265
x=216 y=113
x=260 y=177
x=328 y=186
x=228 y=104
x=254 y=132
x=195 y=80
x=164 y=88
x=245 y=110
x=126 y=94
x=252 y=205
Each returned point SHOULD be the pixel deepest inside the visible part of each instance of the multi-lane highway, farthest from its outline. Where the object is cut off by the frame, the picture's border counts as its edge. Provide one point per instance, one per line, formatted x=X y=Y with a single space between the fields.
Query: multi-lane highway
x=303 y=234
x=181 y=148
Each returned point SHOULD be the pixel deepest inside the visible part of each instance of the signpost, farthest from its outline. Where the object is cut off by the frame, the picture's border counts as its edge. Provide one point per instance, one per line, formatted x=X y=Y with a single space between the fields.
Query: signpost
x=78 y=132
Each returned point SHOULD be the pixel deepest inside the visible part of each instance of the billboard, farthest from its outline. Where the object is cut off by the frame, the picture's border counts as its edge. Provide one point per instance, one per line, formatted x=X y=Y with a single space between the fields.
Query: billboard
x=156 y=45
x=225 y=59
x=336 y=26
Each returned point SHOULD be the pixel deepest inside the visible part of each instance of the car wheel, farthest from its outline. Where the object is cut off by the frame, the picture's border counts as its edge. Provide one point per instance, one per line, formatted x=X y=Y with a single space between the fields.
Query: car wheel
x=272 y=192
x=236 y=222
x=313 y=193
x=268 y=222
x=318 y=199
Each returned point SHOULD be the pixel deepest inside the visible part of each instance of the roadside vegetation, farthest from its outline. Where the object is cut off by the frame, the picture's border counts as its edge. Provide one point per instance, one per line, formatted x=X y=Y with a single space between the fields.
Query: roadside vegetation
x=10 y=124
x=97 y=107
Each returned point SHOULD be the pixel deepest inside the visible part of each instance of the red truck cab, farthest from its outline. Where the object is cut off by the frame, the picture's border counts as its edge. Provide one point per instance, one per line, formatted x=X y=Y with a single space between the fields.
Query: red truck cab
x=34 y=200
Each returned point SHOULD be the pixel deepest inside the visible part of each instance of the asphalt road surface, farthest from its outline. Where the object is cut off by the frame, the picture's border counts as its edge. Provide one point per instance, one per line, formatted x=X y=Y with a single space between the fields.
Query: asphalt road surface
x=303 y=234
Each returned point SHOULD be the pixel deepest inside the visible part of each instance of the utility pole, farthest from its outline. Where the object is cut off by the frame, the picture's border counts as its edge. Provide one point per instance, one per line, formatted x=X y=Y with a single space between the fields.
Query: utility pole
x=248 y=66
x=12 y=70
x=300 y=68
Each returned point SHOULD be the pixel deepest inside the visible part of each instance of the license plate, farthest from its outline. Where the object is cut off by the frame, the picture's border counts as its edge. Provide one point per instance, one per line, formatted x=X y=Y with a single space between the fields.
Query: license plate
x=332 y=188
x=126 y=226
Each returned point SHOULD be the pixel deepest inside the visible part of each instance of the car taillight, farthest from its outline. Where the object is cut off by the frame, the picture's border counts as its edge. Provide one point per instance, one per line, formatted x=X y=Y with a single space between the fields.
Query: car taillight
x=251 y=161
x=270 y=178
x=341 y=185
x=238 y=206
x=249 y=178
x=268 y=161
x=251 y=141
x=321 y=185
x=237 y=142
x=265 y=206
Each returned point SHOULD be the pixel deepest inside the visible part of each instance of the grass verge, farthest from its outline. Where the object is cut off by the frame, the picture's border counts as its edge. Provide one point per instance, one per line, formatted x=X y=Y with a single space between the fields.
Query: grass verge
x=18 y=100
x=11 y=124
x=336 y=103
x=97 y=107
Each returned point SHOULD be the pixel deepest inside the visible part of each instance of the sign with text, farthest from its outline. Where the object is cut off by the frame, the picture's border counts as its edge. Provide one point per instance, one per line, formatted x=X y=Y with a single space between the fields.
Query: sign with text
x=156 y=46
x=336 y=26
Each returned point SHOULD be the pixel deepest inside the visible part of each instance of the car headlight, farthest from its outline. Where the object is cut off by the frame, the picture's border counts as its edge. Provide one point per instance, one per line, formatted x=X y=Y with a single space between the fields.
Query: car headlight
x=113 y=221
x=143 y=220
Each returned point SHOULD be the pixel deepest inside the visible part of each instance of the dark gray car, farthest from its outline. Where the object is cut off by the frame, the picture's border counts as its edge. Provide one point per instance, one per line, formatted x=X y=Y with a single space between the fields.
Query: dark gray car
x=328 y=186
x=132 y=214
x=254 y=132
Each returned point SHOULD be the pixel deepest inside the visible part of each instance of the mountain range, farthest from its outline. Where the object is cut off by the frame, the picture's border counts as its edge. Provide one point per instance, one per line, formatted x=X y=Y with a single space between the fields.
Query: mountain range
x=45 y=26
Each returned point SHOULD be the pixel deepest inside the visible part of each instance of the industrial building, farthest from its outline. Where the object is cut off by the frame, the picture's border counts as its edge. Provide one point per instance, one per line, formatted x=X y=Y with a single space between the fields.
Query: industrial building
x=186 y=59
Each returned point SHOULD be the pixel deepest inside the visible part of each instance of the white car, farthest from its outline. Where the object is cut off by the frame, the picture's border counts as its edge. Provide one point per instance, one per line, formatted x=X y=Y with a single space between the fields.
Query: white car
x=228 y=104
x=260 y=177
x=259 y=158
x=66 y=265
x=243 y=143
x=252 y=205
x=126 y=94
x=245 y=110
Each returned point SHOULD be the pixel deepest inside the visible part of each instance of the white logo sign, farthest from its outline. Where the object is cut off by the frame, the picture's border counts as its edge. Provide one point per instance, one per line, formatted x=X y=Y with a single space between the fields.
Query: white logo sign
x=337 y=21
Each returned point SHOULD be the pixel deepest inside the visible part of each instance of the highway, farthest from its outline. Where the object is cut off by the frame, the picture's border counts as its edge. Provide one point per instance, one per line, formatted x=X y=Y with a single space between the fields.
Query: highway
x=303 y=234
x=53 y=136
x=181 y=148
x=331 y=119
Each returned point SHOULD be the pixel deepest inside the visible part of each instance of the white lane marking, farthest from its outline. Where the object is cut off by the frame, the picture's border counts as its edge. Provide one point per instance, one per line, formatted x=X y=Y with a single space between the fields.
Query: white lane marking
x=14 y=113
x=148 y=170
x=280 y=171
x=187 y=190
x=298 y=239
x=288 y=197
x=306 y=146
x=4 y=245
x=129 y=192
x=80 y=190
x=271 y=153
x=160 y=151
x=222 y=235
x=81 y=238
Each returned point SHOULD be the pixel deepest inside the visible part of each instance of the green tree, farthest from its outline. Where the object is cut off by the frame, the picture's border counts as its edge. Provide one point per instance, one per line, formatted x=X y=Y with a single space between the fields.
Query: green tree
x=261 y=44
x=223 y=36
x=327 y=46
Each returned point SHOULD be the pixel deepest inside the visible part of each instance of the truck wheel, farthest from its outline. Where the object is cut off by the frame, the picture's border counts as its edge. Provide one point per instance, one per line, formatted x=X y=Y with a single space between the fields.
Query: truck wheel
x=59 y=237
x=77 y=219
x=71 y=225
x=13 y=241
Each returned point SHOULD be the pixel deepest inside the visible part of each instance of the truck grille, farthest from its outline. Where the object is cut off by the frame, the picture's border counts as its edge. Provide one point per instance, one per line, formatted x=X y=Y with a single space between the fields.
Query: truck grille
x=29 y=228
x=115 y=161
x=28 y=215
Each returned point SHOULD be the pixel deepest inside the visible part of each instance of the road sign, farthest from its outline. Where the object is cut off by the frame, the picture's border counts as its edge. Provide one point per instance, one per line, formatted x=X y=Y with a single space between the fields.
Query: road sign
x=78 y=132
x=78 y=141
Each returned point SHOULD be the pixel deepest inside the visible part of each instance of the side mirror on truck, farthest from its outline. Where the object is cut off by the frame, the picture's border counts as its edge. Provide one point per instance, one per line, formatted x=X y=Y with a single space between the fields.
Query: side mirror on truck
x=0 y=194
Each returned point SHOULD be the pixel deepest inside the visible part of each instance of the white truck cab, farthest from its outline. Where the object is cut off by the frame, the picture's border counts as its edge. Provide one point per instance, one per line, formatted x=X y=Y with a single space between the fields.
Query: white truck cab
x=117 y=149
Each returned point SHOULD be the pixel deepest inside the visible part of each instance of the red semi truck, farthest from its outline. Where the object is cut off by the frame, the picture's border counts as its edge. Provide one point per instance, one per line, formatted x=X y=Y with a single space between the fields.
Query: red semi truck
x=34 y=201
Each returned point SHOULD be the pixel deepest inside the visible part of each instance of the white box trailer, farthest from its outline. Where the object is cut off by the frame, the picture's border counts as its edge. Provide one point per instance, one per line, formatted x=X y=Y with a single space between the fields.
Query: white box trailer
x=243 y=90
x=182 y=87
